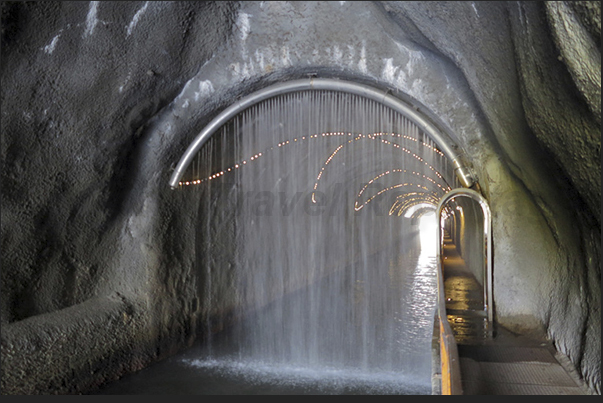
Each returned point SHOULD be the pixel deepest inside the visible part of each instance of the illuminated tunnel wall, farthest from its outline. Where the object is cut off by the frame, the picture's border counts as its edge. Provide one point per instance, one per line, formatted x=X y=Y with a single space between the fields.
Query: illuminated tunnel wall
x=100 y=99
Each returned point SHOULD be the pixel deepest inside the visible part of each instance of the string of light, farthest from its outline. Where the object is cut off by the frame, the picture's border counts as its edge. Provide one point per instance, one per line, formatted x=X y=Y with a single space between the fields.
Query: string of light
x=357 y=207
x=373 y=136
x=399 y=205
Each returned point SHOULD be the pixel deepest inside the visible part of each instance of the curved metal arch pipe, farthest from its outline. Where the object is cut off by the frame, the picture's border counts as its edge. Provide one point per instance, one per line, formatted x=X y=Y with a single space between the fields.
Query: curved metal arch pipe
x=460 y=192
x=449 y=359
x=462 y=171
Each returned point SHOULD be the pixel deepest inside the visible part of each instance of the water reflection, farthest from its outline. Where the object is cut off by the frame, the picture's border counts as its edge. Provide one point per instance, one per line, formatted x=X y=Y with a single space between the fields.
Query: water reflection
x=400 y=329
x=379 y=341
x=328 y=291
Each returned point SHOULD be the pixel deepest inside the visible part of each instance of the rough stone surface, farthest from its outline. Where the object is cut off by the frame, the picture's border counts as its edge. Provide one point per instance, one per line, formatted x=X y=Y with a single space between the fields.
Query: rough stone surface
x=99 y=99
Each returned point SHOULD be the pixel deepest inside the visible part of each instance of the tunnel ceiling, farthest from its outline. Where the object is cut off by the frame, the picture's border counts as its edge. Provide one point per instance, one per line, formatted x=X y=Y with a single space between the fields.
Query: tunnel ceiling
x=100 y=99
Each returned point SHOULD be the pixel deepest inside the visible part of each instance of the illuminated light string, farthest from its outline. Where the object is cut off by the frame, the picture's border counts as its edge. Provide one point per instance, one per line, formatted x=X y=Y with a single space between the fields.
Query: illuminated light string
x=258 y=155
x=406 y=198
x=433 y=197
x=395 y=145
x=331 y=156
x=407 y=206
x=391 y=171
x=405 y=136
x=399 y=203
x=358 y=207
x=406 y=201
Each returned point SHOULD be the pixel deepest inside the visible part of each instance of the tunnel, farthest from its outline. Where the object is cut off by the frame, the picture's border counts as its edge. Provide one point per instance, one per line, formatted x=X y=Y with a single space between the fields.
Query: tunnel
x=374 y=192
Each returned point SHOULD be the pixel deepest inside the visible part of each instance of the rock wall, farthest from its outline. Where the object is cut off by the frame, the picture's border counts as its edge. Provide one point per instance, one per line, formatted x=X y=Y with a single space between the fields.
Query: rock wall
x=99 y=100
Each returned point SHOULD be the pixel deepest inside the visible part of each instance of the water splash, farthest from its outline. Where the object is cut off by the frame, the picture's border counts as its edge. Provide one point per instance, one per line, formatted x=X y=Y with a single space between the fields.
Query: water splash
x=315 y=283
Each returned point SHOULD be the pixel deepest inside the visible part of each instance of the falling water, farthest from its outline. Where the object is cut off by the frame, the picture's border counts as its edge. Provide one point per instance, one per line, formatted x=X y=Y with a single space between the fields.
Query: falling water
x=309 y=259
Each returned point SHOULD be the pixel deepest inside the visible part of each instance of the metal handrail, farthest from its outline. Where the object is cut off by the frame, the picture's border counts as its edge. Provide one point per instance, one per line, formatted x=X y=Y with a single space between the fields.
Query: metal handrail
x=443 y=141
x=449 y=357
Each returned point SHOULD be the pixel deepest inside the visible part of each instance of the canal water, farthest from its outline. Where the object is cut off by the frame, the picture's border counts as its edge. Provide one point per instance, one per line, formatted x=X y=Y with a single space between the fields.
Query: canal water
x=309 y=233
x=229 y=365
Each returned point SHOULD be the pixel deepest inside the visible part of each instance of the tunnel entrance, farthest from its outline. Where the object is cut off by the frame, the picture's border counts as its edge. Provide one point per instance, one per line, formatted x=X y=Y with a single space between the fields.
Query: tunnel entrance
x=313 y=235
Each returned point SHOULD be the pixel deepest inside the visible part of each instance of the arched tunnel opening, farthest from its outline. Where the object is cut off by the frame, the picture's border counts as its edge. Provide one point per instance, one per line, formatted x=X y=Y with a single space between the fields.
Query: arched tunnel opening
x=466 y=249
x=300 y=228
x=310 y=253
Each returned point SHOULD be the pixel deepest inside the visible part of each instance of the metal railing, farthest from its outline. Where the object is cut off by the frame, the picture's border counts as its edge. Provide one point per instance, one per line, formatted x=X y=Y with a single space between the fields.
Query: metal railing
x=450 y=368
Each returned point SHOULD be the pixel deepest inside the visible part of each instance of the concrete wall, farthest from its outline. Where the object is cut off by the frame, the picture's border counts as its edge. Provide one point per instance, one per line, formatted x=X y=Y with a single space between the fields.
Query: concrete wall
x=99 y=100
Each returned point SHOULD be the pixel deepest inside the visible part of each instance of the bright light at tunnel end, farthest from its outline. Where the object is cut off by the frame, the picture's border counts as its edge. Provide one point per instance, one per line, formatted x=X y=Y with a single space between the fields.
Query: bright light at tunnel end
x=428 y=233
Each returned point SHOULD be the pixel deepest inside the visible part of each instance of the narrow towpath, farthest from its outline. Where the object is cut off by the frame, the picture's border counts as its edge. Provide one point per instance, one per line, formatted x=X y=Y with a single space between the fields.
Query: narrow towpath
x=505 y=363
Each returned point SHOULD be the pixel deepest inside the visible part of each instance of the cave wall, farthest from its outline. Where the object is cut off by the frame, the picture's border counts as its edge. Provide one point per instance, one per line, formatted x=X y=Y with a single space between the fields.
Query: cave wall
x=99 y=99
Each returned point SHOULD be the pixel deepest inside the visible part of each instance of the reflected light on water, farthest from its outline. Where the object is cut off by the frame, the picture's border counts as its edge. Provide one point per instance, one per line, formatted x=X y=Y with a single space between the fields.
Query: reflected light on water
x=314 y=380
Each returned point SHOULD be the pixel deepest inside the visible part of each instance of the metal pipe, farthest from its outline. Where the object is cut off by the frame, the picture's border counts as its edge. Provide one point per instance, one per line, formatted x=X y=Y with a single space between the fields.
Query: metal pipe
x=449 y=356
x=374 y=94
x=488 y=288
x=451 y=372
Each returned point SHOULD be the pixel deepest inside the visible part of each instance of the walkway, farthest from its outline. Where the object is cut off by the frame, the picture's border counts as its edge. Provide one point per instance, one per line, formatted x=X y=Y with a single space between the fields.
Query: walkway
x=505 y=364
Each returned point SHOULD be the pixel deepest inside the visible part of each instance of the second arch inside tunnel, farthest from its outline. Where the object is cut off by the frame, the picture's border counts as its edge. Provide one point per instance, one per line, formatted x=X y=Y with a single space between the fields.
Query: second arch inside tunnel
x=309 y=253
